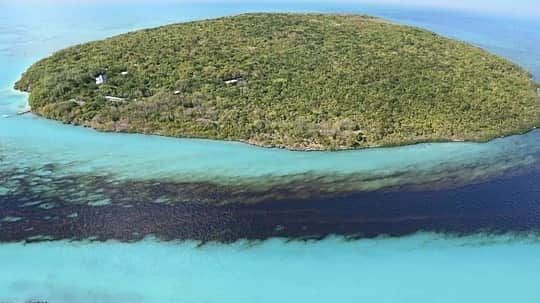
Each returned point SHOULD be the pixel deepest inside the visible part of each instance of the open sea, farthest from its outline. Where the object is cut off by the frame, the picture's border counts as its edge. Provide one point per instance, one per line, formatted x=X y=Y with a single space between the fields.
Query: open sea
x=104 y=217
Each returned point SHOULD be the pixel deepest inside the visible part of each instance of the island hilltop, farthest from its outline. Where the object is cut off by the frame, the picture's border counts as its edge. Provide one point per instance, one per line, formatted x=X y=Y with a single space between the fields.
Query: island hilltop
x=298 y=81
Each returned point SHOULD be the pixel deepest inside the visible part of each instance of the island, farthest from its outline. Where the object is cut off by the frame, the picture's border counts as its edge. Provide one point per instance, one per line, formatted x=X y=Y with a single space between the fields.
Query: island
x=296 y=81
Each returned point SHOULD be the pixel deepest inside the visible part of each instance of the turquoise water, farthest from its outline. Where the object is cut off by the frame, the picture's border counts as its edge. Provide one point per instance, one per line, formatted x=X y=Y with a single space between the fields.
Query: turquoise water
x=425 y=267
x=143 y=157
x=422 y=268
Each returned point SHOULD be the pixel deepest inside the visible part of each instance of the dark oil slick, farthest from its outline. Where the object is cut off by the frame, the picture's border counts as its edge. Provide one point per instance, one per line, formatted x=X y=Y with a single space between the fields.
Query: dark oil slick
x=44 y=206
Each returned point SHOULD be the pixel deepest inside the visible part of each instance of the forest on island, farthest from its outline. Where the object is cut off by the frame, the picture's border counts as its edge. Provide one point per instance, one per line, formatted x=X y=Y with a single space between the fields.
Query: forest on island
x=300 y=81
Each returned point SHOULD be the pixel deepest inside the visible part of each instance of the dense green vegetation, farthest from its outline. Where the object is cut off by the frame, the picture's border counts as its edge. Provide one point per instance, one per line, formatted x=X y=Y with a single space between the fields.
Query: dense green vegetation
x=307 y=82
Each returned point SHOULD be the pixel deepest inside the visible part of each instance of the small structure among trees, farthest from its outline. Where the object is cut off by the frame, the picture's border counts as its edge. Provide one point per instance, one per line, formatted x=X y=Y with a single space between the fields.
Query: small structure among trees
x=234 y=81
x=114 y=99
x=101 y=79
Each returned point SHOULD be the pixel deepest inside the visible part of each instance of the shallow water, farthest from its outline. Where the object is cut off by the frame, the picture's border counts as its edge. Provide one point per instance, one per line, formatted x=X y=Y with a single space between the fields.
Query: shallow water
x=145 y=157
x=65 y=182
x=422 y=268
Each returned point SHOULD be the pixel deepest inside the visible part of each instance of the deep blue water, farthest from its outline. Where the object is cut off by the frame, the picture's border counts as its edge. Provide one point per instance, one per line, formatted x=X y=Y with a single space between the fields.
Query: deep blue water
x=441 y=222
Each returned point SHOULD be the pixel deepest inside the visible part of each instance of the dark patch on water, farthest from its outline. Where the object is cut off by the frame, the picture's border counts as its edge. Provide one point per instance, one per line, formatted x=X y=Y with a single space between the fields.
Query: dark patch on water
x=45 y=206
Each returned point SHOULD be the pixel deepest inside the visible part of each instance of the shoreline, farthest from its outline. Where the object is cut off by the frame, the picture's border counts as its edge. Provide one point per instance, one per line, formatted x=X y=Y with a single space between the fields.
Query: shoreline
x=284 y=147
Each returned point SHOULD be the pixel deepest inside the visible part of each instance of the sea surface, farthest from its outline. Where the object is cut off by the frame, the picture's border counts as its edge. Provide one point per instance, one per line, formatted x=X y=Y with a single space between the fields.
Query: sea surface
x=103 y=217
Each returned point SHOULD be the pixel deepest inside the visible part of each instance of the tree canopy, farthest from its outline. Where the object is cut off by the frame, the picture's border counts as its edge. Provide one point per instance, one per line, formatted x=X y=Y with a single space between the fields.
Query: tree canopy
x=300 y=81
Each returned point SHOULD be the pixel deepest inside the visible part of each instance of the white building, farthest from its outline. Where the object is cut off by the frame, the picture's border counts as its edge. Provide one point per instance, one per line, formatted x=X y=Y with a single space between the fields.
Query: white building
x=101 y=79
x=114 y=99
x=233 y=81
